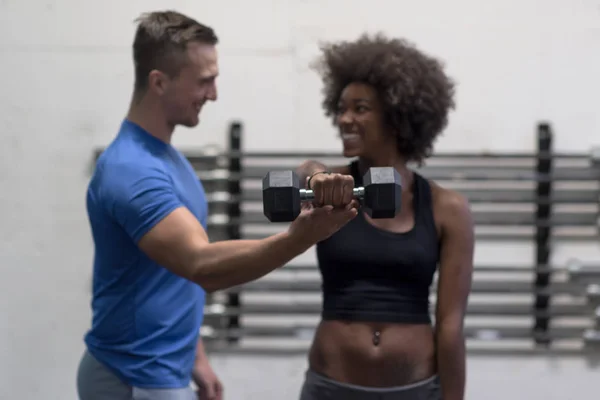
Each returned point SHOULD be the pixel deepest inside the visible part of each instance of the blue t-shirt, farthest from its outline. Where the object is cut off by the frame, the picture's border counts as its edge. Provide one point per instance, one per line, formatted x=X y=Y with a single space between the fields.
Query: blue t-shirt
x=146 y=320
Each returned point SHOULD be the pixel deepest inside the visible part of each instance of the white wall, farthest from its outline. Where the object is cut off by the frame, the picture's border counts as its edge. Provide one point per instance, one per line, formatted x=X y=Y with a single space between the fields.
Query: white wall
x=65 y=79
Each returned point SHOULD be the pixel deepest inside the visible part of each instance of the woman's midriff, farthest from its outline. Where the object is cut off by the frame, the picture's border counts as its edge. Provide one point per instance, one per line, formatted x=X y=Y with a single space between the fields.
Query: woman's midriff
x=373 y=354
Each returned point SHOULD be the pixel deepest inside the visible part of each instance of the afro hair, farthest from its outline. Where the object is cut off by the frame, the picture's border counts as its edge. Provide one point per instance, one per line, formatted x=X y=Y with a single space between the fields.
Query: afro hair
x=415 y=92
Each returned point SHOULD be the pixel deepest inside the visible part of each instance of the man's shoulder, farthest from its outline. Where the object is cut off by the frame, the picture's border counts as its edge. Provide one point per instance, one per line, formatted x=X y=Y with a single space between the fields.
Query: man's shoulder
x=125 y=167
x=118 y=180
x=126 y=160
x=123 y=150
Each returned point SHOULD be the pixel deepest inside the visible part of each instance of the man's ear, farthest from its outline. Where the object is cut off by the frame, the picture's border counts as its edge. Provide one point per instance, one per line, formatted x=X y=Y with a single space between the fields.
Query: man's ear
x=157 y=82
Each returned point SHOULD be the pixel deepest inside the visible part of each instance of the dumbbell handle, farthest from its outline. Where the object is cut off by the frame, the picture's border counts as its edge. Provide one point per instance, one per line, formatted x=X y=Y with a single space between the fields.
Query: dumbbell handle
x=307 y=194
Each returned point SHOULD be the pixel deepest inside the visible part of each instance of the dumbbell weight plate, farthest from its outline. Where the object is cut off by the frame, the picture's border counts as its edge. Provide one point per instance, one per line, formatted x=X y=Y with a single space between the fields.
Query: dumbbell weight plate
x=383 y=192
x=281 y=196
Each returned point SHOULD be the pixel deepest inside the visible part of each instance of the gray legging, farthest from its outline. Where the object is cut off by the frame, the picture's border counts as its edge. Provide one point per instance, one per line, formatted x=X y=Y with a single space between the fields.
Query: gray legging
x=319 y=387
x=96 y=382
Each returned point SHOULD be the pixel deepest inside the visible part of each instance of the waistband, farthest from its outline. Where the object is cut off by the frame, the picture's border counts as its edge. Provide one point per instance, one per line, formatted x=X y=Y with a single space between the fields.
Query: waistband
x=316 y=377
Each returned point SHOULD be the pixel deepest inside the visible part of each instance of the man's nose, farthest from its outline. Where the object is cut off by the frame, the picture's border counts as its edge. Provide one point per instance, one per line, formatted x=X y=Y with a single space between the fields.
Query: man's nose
x=212 y=92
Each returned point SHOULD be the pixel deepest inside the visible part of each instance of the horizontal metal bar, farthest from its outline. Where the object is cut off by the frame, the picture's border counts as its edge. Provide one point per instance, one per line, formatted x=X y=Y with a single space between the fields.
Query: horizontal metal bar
x=592 y=337
x=219 y=200
x=478 y=286
x=526 y=347
x=322 y=154
x=573 y=268
x=496 y=218
x=511 y=269
x=575 y=234
x=442 y=173
x=491 y=333
x=483 y=232
x=502 y=218
x=438 y=155
x=210 y=155
x=493 y=195
x=492 y=310
x=483 y=173
x=580 y=273
x=473 y=348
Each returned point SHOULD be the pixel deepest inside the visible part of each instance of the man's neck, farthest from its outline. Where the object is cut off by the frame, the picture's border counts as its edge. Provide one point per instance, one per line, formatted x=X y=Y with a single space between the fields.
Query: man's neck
x=150 y=118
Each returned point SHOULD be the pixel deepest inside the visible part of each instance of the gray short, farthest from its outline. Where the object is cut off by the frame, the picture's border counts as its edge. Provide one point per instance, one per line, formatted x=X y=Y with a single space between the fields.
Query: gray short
x=319 y=387
x=96 y=382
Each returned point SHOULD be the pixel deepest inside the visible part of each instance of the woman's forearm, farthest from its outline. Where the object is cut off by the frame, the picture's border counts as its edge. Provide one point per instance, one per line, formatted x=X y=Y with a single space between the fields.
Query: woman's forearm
x=451 y=358
x=307 y=169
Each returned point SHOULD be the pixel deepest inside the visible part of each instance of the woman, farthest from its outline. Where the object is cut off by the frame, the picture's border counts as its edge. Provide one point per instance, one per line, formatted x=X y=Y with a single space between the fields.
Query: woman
x=376 y=339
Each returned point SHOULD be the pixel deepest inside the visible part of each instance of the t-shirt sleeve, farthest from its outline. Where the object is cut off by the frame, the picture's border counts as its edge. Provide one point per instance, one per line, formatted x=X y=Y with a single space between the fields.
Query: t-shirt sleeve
x=137 y=197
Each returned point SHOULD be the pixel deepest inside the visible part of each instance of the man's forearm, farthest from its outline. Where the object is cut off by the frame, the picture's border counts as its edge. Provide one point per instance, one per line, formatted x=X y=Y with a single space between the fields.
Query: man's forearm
x=451 y=364
x=307 y=168
x=228 y=263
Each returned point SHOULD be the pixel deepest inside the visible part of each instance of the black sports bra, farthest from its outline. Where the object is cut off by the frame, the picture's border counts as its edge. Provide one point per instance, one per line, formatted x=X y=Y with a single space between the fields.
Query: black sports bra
x=370 y=274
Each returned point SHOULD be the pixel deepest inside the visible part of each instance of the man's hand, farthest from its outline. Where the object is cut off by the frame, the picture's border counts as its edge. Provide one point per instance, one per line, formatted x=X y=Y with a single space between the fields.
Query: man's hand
x=331 y=189
x=209 y=385
x=315 y=224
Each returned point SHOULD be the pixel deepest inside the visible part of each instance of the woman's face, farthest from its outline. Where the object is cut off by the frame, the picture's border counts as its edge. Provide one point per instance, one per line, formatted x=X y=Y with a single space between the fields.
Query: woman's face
x=360 y=120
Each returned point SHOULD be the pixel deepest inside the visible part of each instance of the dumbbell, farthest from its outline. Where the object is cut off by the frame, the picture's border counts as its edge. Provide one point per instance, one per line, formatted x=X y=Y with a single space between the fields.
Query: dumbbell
x=283 y=195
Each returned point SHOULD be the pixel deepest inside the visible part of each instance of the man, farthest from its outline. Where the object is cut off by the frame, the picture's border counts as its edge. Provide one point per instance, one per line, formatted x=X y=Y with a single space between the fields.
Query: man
x=153 y=261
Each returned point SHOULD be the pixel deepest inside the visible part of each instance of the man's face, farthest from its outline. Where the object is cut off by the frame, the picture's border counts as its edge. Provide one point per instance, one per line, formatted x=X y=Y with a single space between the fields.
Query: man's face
x=185 y=95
